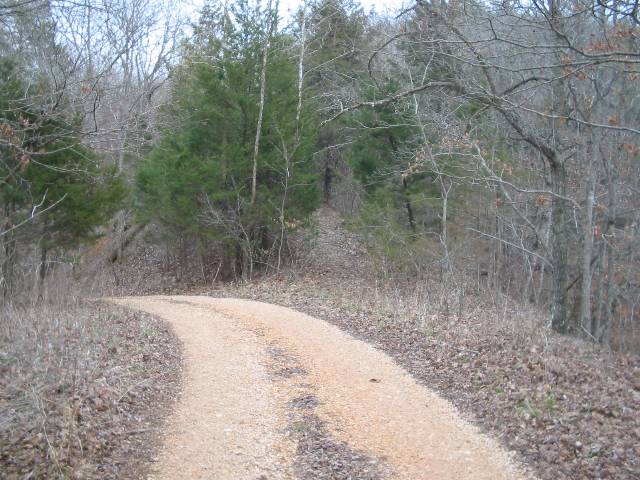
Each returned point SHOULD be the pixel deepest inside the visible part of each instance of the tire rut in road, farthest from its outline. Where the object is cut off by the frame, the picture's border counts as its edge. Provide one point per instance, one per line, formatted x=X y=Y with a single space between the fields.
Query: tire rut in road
x=318 y=456
x=305 y=400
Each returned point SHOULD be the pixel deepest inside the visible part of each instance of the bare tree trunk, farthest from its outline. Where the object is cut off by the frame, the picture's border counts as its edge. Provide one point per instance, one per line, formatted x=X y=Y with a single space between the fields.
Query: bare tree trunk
x=560 y=242
x=263 y=86
x=8 y=262
x=602 y=335
x=282 y=218
x=285 y=152
x=444 y=192
x=547 y=233
x=303 y=41
x=587 y=254
x=121 y=216
x=42 y=270
x=327 y=177
x=603 y=322
x=407 y=200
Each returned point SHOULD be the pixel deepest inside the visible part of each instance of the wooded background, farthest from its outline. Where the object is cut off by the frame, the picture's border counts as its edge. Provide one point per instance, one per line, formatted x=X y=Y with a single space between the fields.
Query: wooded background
x=481 y=144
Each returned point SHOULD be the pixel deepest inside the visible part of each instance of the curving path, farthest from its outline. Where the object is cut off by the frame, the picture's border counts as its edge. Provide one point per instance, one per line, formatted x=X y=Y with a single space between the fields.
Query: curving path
x=271 y=393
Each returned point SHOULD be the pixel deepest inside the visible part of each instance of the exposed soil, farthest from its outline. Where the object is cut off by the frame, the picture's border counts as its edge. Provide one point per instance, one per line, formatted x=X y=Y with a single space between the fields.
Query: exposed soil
x=247 y=363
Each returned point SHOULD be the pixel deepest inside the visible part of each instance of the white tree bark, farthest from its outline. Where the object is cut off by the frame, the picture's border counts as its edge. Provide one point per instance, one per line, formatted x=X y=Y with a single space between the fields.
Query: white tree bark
x=263 y=86
x=303 y=41
x=585 y=302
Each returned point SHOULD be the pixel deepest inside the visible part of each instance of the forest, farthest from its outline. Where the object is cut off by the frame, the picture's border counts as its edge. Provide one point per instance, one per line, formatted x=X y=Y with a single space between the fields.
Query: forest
x=499 y=141
x=485 y=150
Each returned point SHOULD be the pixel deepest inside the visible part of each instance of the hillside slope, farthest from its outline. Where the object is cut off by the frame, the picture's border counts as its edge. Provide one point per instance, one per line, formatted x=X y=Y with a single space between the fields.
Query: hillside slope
x=569 y=409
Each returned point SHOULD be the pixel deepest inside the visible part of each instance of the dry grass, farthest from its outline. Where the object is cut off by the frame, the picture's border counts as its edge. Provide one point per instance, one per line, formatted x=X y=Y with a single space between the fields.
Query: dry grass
x=48 y=352
x=568 y=408
x=74 y=380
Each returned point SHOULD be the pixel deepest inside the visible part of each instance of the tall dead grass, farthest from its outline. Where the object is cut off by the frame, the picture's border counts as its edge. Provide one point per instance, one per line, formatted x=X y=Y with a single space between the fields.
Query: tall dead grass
x=452 y=301
x=67 y=368
x=51 y=343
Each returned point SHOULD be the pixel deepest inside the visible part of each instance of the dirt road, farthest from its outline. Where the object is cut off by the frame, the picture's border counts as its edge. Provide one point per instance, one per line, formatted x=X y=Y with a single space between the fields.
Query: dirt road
x=271 y=393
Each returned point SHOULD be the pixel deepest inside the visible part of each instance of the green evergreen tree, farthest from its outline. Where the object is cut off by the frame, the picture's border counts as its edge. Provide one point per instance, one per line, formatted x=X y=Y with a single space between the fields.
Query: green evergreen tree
x=197 y=182
x=53 y=187
x=335 y=65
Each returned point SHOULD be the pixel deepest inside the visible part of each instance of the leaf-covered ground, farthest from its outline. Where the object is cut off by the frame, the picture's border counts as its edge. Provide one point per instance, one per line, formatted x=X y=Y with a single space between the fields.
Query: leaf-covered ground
x=568 y=409
x=84 y=391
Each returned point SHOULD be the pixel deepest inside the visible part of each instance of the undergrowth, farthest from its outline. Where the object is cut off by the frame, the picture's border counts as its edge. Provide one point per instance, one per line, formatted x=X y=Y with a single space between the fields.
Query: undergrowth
x=75 y=379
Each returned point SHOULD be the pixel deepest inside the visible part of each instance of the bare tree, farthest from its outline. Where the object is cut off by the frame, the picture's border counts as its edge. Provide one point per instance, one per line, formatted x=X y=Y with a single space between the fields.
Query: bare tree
x=554 y=80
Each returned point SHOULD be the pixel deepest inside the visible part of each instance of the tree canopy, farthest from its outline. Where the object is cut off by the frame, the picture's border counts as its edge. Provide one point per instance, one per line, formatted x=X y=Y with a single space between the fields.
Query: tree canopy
x=198 y=180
